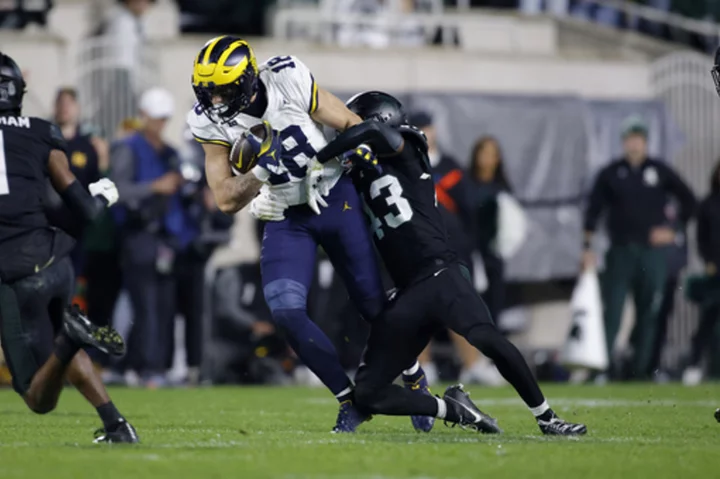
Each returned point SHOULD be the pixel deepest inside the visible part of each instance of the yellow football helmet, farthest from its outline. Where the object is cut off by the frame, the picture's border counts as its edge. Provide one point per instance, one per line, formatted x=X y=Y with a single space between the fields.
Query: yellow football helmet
x=225 y=68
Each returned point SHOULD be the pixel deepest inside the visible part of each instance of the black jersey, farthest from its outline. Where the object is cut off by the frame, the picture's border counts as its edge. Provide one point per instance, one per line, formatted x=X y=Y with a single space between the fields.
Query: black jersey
x=25 y=239
x=406 y=224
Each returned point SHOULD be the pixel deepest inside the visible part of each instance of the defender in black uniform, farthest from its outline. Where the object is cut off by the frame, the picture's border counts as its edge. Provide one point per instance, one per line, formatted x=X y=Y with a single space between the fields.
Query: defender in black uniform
x=434 y=290
x=41 y=337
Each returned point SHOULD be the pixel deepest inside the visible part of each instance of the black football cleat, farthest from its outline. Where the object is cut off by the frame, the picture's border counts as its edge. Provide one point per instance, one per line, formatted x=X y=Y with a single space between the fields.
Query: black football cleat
x=83 y=332
x=470 y=416
x=557 y=427
x=121 y=432
x=717 y=415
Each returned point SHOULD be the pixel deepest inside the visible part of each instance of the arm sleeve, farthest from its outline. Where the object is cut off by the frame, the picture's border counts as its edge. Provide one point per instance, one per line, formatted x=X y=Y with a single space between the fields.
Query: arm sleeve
x=296 y=81
x=383 y=139
x=703 y=233
x=597 y=201
x=123 y=175
x=81 y=203
x=679 y=189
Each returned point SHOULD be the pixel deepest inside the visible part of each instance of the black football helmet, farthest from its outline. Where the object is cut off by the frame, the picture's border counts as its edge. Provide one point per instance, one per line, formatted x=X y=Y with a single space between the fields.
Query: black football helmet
x=12 y=86
x=379 y=106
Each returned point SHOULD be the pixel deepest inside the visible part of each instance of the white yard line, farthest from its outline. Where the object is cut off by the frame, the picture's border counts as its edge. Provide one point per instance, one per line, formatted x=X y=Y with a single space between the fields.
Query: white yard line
x=577 y=402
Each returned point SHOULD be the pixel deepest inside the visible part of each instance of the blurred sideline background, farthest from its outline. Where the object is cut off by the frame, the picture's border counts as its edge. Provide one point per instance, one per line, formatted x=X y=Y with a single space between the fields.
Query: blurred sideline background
x=552 y=81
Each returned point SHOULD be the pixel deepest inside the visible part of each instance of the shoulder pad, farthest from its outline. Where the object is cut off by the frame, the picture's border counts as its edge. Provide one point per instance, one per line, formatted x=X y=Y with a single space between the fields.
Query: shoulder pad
x=414 y=134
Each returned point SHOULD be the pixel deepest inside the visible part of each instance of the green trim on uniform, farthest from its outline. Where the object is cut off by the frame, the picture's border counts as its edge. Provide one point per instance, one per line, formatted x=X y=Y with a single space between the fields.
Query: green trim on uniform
x=20 y=358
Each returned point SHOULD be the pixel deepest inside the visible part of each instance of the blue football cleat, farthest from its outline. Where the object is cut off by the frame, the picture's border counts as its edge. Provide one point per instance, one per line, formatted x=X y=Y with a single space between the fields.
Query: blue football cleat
x=349 y=418
x=418 y=382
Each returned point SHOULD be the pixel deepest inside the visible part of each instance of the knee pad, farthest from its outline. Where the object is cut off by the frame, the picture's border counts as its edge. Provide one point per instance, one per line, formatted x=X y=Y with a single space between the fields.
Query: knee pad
x=285 y=294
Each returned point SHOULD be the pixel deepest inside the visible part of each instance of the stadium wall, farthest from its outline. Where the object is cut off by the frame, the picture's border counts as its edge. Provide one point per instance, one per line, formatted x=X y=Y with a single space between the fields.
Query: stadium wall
x=51 y=62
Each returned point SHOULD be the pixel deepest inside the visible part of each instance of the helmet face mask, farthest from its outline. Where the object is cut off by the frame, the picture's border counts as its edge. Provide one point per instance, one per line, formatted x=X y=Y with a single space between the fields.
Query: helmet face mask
x=225 y=70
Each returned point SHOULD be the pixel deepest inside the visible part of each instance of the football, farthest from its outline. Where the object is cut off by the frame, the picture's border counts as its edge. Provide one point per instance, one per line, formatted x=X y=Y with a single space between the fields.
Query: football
x=242 y=158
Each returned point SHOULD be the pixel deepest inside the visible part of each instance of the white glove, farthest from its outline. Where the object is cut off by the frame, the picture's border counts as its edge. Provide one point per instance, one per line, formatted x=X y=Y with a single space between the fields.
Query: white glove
x=315 y=187
x=268 y=207
x=105 y=188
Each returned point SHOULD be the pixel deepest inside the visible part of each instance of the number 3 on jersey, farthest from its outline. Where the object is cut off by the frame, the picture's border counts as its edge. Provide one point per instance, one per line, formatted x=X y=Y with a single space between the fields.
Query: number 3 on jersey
x=388 y=187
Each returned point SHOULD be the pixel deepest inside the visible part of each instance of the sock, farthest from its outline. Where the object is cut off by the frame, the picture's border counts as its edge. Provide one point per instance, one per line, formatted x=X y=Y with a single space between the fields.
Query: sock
x=65 y=348
x=445 y=412
x=344 y=395
x=442 y=408
x=413 y=370
x=109 y=414
x=540 y=410
x=313 y=348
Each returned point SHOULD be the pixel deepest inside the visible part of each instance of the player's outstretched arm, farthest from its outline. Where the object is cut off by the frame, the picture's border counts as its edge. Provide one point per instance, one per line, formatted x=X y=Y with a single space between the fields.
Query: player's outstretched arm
x=231 y=193
x=383 y=139
x=333 y=113
x=77 y=198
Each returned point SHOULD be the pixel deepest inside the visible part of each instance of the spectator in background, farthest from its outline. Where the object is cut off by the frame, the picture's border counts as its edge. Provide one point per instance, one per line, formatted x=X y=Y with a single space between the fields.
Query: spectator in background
x=488 y=173
x=89 y=158
x=708 y=238
x=634 y=191
x=127 y=127
x=191 y=252
x=122 y=38
x=154 y=226
x=454 y=192
x=676 y=260
x=87 y=155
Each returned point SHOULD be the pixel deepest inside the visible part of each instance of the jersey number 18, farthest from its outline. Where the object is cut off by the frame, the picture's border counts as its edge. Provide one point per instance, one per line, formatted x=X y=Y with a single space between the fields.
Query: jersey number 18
x=389 y=189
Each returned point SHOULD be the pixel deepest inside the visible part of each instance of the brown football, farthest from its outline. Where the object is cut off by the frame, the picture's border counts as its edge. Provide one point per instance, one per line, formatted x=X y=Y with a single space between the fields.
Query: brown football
x=241 y=157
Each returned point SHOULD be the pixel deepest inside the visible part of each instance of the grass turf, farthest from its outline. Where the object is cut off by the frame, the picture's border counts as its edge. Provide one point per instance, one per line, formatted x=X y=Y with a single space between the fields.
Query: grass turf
x=635 y=431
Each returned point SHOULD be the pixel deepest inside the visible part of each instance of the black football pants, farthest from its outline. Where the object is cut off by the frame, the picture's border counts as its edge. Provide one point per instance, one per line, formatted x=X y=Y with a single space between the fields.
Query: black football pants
x=31 y=314
x=445 y=300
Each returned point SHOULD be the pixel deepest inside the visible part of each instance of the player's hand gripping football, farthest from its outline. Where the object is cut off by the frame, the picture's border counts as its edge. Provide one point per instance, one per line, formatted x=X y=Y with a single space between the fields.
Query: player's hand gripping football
x=362 y=157
x=268 y=207
x=315 y=187
x=267 y=152
x=105 y=188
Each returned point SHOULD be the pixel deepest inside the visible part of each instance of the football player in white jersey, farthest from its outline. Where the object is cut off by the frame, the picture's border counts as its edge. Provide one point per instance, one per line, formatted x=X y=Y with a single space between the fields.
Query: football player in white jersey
x=234 y=94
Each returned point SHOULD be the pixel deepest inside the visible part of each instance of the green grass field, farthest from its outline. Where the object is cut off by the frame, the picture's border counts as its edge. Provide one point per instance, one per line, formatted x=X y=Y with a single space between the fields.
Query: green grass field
x=635 y=431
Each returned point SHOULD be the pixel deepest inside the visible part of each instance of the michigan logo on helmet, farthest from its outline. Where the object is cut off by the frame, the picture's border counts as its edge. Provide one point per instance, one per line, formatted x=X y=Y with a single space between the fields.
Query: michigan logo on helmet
x=225 y=77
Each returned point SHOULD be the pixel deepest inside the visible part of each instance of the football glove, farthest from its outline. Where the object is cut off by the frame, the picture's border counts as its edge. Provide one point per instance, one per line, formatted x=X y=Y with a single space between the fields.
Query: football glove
x=105 y=188
x=315 y=187
x=268 y=207
x=361 y=157
x=267 y=152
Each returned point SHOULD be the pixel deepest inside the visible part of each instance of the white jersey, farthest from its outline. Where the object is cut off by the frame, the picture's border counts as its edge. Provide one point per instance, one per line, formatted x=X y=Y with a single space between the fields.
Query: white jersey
x=292 y=96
